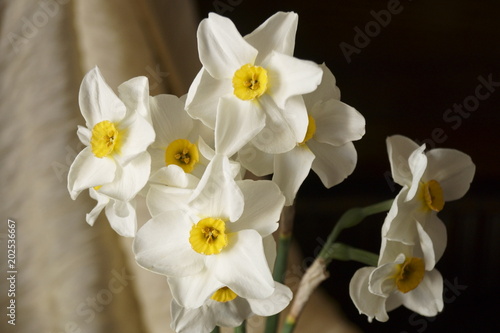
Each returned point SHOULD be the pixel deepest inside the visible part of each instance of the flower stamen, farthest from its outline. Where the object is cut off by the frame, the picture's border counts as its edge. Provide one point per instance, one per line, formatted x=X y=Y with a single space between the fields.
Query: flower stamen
x=182 y=153
x=433 y=195
x=410 y=274
x=105 y=139
x=223 y=295
x=208 y=236
x=250 y=82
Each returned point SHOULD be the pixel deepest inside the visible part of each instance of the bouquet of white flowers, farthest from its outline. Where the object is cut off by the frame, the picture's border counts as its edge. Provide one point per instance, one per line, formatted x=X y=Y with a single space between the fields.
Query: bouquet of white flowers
x=255 y=109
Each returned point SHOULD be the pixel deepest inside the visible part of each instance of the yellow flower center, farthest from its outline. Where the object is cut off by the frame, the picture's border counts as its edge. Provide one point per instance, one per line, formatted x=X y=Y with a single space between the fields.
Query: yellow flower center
x=208 y=236
x=249 y=82
x=97 y=187
x=433 y=195
x=311 y=129
x=224 y=295
x=183 y=153
x=410 y=274
x=105 y=139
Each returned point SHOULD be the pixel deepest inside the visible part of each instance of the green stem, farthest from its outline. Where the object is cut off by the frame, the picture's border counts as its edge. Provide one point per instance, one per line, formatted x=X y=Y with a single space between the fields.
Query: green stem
x=332 y=250
x=288 y=326
x=279 y=275
x=349 y=219
x=340 y=251
x=280 y=265
x=241 y=329
x=216 y=329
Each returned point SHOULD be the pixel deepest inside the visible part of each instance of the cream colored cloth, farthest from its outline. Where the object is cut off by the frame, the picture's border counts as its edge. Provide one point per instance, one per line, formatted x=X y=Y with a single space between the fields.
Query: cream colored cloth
x=73 y=277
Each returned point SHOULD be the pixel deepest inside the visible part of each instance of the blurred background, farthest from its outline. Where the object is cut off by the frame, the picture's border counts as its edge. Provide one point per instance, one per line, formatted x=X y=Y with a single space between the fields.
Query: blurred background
x=411 y=67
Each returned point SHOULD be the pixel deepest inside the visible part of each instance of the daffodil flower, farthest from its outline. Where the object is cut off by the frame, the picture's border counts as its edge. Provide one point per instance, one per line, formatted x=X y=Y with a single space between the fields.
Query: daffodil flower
x=177 y=136
x=117 y=132
x=401 y=279
x=251 y=87
x=225 y=308
x=327 y=147
x=217 y=237
x=429 y=180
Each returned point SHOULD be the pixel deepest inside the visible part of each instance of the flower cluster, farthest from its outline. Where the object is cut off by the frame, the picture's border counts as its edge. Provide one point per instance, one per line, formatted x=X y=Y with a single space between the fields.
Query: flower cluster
x=413 y=236
x=252 y=107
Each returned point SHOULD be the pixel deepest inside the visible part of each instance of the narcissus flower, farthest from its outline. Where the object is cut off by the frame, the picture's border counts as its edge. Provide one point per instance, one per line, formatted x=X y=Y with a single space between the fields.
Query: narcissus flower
x=217 y=236
x=177 y=136
x=401 y=279
x=252 y=86
x=117 y=132
x=225 y=308
x=327 y=147
x=429 y=180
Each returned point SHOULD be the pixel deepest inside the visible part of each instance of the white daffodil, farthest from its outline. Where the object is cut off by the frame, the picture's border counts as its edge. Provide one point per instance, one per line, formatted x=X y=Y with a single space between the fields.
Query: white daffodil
x=252 y=86
x=215 y=239
x=400 y=280
x=225 y=308
x=429 y=179
x=117 y=133
x=327 y=147
x=177 y=136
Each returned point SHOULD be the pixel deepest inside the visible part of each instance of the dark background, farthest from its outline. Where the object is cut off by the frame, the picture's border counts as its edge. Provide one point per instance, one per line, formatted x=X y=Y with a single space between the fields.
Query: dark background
x=426 y=60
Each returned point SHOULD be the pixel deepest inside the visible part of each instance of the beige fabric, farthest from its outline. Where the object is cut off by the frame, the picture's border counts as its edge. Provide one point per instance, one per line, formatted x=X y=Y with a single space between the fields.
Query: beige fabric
x=73 y=277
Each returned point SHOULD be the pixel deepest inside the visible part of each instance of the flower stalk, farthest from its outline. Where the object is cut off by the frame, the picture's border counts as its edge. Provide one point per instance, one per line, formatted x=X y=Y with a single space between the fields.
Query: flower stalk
x=317 y=272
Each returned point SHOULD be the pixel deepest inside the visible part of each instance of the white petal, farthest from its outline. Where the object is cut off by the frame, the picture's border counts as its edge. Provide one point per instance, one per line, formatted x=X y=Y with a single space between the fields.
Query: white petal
x=326 y=90
x=164 y=198
x=256 y=161
x=284 y=127
x=232 y=313
x=453 y=170
x=382 y=282
x=203 y=97
x=124 y=224
x=84 y=134
x=173 y=175
x=263 y=206
x=427 y=298
x=367 y=303
x=130 y=179
x=289 y=76
x=403 y=225
x=426 y=247
x=242 y=266
x=221 y=48
x=217 y=194
x=135 y=94
x=418 y=164
x=161 y=237
x=399 y=149
x=337 y=123
x=291 y=169
x=237 y=123
x=436 y=230
x=97 y=100
x=277 y=33
x=195 y=290
x=102 y=201
x=390 y=251
x=89 y=171
x=139 y=134
x=185 y=320
x=333 y=164
x=170 y=120
x=274 y=304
